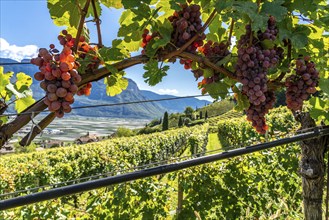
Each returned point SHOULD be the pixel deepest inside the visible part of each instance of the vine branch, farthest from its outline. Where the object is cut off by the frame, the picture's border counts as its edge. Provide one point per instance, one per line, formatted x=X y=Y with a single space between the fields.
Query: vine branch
x=26 y=141
x=80 y=27
x=98 y=25
x=230 y=33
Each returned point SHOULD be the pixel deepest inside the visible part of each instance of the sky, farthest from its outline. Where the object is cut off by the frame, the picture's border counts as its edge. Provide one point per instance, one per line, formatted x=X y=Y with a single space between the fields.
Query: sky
x=26 y=26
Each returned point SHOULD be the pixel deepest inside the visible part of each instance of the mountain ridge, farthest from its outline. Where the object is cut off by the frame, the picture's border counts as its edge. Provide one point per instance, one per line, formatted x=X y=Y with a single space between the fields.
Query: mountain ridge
x=98 y=95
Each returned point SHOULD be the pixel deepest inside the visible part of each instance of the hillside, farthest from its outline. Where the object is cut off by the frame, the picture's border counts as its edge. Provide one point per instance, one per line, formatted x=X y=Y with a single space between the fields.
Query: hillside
x=98 y=96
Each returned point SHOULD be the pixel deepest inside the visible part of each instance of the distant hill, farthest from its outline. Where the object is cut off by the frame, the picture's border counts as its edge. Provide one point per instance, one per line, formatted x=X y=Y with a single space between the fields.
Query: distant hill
x=98 y=96
x=178 y=105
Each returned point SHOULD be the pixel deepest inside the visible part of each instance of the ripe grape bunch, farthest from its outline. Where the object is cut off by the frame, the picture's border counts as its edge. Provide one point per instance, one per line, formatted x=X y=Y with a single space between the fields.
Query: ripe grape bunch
x=301 y=85
x=146 y=39
x=58 y=75
x=252 y=66
x=186 y=24
x=215 y=52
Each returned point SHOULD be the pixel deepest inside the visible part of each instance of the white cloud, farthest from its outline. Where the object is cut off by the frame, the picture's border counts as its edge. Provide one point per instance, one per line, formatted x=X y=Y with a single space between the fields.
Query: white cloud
x=168 y=91
x=17 y=53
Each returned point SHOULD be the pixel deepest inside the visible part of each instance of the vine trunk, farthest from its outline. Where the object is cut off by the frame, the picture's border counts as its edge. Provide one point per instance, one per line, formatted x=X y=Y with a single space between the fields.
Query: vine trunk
x=312 y=170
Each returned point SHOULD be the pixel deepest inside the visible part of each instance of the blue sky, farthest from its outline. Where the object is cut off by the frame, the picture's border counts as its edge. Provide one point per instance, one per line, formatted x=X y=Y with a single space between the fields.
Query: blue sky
x=26 y=26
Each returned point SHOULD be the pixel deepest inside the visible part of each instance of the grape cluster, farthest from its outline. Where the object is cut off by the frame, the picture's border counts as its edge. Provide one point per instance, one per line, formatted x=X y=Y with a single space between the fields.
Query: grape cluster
x=146 y=39
x=186 y=24
x=271 y=32
x=301 y=85
x=213 y=51
x=256 y=113
x=59 y=74
x=252 y=66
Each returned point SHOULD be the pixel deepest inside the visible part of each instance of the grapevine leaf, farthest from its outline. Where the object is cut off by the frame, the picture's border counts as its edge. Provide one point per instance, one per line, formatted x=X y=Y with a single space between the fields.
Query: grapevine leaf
x=23 y=80
x=130 y=3
x=222 y=5
x=274 y=8
x=217 y=89
x=224 y=60
x=4 y=78
x=324 y=85
x=154 y=74
x=175 y=4
x=242 y=100
x=57 y=8
x=22 y=103
x=3 y=120
x=208 y=72
x=112 y=3
x=111 y=54
x=250 y=9
x=165 y=29
x=320 y=109
x=299 y=37
x=115 y=84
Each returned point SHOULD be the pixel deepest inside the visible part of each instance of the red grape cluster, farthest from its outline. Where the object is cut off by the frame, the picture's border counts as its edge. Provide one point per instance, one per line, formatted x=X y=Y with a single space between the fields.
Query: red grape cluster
x=271 y=32
x=213 y=51
x=85 y=90
x=301 y=85
x=256 y=113
x=186 y=24
x=146 y=39
x=252 y=66
x=59 y=75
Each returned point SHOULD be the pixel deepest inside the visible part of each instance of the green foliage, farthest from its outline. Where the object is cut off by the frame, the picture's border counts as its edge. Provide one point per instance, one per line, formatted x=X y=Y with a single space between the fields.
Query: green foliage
x=180 y=122
x=149 y=130
x=61 y=164
x=26 y=149
x=124 y=132
x=165 y=122
x=259 y=185
x=115 y=84
x=154 y=74
x=188 y=112
x=14 y=89
x=237 y=131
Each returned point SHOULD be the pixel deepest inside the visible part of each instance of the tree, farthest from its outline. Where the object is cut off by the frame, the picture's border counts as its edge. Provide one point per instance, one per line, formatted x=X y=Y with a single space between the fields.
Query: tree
x=206 y=115
x=188 y=112
x=165 y=122
x=287 y=49
x=200 y=114
x=180 y=122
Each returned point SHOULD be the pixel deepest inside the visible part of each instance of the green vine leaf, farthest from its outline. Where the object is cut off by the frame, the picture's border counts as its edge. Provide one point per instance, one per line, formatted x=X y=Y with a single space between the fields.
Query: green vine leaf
x=154 y=74
x=4 y=79
x=22 y=103
x=242 y=100
x=23 y=79
x=112 y=4
x=320 y=109
x=115 y=83
x=275 y=9
x=217 y=89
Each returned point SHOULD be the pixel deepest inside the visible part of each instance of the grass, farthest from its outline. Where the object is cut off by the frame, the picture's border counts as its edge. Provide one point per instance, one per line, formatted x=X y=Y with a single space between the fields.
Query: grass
x=213 y=142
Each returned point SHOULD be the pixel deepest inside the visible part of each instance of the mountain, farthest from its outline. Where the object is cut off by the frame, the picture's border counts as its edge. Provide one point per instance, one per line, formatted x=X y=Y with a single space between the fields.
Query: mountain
x=178 y=105
x=98 y=96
